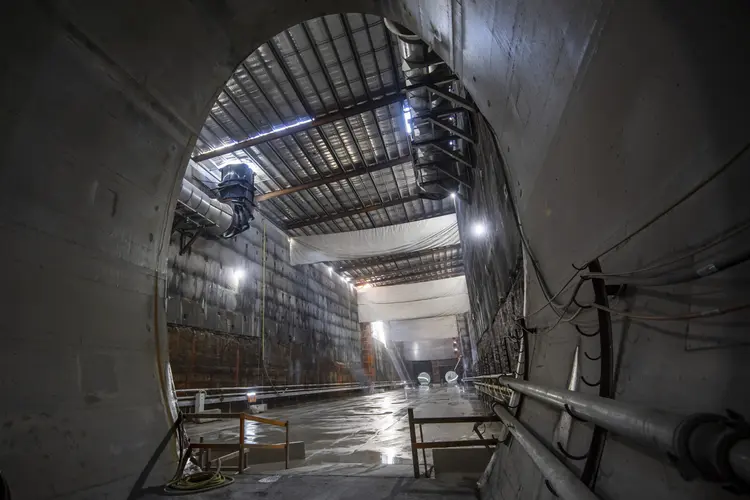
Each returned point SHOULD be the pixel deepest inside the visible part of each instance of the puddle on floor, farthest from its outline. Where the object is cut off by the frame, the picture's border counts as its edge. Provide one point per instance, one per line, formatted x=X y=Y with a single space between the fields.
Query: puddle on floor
x=386 y=457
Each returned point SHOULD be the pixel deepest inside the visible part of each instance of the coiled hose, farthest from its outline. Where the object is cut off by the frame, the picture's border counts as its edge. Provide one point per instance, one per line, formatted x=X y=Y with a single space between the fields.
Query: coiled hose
x=197 y=482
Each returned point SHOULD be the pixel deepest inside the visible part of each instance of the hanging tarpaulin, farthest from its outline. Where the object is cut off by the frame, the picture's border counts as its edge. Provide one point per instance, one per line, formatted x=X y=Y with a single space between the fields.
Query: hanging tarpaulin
x=388 y=240
x=446 y=297
x=440 y=327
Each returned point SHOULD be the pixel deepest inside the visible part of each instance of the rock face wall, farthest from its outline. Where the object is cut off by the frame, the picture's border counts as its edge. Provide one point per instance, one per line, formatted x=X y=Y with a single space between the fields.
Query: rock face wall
x=218 y=329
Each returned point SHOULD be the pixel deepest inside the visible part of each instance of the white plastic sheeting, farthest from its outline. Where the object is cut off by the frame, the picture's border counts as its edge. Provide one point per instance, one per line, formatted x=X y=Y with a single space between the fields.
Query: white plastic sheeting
x=398 y=238
x=446 y=297
x=441 y=327
x=428 y=350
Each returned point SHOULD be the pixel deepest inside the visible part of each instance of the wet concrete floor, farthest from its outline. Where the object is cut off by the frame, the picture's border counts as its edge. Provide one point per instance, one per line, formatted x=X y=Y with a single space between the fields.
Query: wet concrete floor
x=371 y=429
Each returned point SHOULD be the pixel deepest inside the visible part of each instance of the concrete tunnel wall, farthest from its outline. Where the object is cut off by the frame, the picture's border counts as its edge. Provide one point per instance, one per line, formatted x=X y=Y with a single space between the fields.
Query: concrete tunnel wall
x=604 y=110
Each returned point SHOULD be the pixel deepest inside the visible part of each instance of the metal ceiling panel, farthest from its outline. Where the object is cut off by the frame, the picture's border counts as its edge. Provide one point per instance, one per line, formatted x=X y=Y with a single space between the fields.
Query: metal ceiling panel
x=323 y=66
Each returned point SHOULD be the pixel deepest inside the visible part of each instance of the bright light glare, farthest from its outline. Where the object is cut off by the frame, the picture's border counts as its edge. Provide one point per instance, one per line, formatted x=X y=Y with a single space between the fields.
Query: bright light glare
x=388 y=456
x=479 y=229
x=330 y=270
x=238 y=274
x=274 y=129
x=453 y=195
x=407 y=119
x=364 y=287
x=251 y=394
x=378 y=331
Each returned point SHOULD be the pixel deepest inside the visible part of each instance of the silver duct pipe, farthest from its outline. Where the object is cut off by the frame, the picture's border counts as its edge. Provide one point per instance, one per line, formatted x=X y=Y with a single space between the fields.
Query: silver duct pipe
x=561 y=479
x=217 y=212
x=401 y=31
x=419 y=62
x=715 y=447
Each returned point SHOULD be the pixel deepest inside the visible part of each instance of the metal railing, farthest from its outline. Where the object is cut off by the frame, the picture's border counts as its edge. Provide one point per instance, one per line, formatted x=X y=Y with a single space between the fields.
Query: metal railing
x=241 y=446
x=219 y=395
x=422 y=445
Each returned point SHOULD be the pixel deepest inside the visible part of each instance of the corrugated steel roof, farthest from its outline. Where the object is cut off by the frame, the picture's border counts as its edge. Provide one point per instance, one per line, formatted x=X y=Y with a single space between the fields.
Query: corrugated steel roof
x=322 y=66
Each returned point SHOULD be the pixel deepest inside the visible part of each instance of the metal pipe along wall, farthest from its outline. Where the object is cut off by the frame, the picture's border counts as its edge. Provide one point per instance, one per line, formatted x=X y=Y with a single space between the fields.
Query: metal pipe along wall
x=691 y=439
x=564 y=482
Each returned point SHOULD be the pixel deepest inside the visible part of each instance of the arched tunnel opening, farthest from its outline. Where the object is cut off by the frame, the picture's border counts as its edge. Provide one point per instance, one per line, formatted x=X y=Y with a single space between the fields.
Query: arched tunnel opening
x=426 y=248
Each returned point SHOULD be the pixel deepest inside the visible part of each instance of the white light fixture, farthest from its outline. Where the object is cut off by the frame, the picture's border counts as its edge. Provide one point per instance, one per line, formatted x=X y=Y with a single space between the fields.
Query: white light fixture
x=330 y=270
x=453 y=195
x=478 y=229
x=238 y=274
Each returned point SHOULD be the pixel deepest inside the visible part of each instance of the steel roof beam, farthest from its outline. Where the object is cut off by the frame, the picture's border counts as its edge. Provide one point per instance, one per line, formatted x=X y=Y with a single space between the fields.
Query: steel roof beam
x=357 y=171
x=349 y=213
x=435 y=266
x=321 y=120
x=423 y=276
x=316 y=122
x=394 y=258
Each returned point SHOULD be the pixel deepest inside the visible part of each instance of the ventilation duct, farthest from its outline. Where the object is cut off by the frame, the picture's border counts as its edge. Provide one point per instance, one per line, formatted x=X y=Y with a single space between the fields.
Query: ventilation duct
x=420 y=64
x=218 y=214
x=198 y=213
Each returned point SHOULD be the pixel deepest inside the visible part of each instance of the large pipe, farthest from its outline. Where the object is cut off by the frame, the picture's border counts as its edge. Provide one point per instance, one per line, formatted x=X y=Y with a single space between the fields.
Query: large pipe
x=561 y=479
x=712 y=446
x=217 y=212
x=418 y=63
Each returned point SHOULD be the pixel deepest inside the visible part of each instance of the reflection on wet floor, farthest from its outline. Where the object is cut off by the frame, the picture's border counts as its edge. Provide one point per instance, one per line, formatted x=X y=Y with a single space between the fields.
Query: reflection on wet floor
x=371 y=429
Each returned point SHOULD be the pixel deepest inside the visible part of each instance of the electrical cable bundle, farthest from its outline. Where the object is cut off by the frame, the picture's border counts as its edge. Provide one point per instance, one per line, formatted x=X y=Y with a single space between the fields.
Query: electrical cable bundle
x=625 y=278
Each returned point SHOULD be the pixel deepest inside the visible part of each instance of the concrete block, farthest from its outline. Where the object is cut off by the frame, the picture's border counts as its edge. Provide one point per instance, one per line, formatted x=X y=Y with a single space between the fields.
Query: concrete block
x=259 y=408
x=460 y=460
x=203 y=420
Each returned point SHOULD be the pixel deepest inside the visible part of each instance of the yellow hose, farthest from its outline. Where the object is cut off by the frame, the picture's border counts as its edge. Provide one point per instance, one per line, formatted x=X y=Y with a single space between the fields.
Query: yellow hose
x=200 y=481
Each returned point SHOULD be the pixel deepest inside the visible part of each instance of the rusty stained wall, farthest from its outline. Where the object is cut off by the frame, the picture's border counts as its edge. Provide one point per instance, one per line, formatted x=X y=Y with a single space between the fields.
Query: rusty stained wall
x=497 y=346
x=204 y=358
x=385 y=368
x=377 y=362
x=310 y=320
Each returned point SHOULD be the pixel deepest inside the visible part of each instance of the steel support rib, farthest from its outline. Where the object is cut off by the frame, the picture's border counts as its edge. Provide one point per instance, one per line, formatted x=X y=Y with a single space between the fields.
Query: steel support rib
x=357 y=171
x=565 y=483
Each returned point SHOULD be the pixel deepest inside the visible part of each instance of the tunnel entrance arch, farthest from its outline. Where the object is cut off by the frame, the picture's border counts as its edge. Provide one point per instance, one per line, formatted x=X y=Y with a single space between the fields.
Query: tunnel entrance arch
x=93 y=153
x=133 y=92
